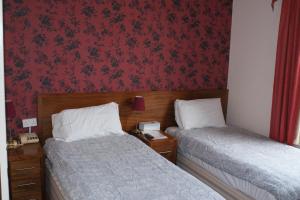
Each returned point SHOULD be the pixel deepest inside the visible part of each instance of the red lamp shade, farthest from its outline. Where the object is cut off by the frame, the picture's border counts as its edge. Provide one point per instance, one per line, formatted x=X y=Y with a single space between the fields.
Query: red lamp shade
x=138 y=103
x=10 y=110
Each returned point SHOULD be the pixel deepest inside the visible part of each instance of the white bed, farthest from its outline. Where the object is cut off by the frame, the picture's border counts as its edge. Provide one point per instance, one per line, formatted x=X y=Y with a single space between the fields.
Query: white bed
x=238 y=163
x=117 y=167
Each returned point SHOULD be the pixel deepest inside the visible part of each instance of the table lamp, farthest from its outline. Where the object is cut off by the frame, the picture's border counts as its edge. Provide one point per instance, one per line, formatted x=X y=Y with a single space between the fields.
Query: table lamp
x=10 y=115
x=138 y=105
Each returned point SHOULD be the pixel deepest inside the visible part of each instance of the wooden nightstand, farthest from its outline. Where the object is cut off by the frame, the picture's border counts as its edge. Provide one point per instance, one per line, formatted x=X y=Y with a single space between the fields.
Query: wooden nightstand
x=165 y=147
x=25 y=165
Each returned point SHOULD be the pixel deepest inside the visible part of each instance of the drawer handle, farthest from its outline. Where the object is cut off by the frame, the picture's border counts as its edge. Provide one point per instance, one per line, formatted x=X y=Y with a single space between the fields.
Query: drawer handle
x=26 y=184
x=26 y=168
x=165 y=152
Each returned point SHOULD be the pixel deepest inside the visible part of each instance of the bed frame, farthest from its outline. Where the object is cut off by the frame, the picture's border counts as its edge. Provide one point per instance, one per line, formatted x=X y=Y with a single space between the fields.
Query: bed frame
x=159 y=107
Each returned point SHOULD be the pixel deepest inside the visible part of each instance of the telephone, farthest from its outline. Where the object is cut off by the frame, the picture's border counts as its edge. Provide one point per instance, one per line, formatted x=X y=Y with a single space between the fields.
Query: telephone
x=28 y=138
x=12 y=144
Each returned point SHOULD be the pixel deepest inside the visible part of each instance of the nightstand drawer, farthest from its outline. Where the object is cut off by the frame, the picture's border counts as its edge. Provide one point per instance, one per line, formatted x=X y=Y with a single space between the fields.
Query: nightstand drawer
x=24 y=169
x=167 y=150
x=32 y=185
x=163 y=147
x=167 y=154
x=27 y=196
x=166 y=147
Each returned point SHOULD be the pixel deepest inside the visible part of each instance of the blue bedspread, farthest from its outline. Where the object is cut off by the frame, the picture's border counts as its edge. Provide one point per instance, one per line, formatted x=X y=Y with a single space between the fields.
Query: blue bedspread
x=120 y=167
x=267 y=164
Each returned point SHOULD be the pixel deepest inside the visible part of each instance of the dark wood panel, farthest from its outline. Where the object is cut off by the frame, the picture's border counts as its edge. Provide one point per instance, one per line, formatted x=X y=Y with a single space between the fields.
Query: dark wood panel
x=159 y=106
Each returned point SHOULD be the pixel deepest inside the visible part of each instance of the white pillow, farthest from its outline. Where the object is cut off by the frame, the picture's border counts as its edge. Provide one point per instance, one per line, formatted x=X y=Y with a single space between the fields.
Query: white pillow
x=76 y=124
x=199 y=113
x=177 y=115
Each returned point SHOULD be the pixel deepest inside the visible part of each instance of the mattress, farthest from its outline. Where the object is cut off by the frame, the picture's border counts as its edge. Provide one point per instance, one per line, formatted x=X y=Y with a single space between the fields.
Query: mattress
x=119 y=167
x=255 y=165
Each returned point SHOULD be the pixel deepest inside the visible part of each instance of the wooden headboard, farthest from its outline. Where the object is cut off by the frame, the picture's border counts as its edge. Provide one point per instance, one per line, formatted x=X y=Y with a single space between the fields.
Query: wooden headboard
x=159 y=106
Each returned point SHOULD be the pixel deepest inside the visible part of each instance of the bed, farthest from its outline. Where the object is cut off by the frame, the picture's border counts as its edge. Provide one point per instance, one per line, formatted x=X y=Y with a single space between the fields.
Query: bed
x=119 y=167
x=239 y=162
x=115 y=166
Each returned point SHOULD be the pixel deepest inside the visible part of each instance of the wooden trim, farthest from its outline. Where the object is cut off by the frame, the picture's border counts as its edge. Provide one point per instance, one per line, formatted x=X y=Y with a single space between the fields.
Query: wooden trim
x=159 y=106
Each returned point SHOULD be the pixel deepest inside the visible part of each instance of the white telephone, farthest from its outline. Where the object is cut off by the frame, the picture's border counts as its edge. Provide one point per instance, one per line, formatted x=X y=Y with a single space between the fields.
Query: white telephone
x=28 y=138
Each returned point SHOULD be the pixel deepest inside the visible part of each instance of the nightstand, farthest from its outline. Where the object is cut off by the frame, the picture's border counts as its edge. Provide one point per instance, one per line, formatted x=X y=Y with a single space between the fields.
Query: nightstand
x=165 y=147
x=25 y=165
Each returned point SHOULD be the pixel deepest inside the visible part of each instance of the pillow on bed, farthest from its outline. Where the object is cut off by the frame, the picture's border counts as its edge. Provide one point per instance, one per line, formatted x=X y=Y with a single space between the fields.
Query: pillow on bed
x=75 y=124
x=177 y=115
x=199 y=113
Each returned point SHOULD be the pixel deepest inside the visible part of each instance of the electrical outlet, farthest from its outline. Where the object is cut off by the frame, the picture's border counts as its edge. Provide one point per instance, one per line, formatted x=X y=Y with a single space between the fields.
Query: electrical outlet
x=29 y=122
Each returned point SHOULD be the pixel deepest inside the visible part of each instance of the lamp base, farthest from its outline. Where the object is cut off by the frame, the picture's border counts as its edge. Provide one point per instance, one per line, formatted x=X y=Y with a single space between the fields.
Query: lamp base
x=11 y=144
x=136 y=131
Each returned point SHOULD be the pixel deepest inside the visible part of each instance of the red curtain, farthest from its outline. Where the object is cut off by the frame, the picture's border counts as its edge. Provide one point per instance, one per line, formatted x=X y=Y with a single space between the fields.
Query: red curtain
x=286 y=90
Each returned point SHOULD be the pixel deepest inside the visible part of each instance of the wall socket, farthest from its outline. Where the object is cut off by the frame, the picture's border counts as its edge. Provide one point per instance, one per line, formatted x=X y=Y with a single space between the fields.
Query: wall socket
x=29 y=122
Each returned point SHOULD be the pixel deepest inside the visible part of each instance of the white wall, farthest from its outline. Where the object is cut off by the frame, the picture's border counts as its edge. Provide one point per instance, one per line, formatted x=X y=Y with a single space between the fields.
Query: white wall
x=252 y=62
x=3 y=154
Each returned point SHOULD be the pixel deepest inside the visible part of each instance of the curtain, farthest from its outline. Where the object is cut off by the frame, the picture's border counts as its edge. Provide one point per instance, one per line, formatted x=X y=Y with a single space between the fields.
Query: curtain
x=286 y=89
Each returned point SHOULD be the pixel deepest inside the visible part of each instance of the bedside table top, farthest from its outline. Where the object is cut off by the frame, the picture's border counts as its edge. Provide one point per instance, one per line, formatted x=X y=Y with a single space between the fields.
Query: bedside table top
x=166 y=147
x=151 y=142
x=27 y=151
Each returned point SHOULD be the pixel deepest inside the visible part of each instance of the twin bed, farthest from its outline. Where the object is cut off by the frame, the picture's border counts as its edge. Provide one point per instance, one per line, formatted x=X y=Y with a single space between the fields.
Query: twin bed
x=119 y=167
x=254 y=165
x=235 y=163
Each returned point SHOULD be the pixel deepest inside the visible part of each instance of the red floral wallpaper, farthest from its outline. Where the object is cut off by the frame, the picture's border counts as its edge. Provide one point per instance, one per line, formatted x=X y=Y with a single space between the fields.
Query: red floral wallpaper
x=59 y=46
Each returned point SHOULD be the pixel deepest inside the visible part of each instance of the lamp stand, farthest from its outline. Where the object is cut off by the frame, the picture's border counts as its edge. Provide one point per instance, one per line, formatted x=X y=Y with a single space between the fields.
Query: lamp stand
x=136 y=130
x=10 y=139
x=11 y=143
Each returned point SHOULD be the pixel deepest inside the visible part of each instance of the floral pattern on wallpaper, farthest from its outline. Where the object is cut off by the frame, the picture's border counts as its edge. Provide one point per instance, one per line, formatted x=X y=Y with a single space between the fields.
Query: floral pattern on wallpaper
x=64 y=46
